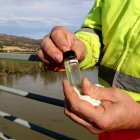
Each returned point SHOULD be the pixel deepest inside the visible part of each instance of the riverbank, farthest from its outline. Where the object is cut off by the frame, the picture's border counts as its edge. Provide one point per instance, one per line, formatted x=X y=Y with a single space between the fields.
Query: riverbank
x=8 y=66
x=17 y=49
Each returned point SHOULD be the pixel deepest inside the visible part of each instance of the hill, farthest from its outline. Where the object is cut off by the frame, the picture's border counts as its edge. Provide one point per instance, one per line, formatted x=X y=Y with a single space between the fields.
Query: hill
x=11 y=43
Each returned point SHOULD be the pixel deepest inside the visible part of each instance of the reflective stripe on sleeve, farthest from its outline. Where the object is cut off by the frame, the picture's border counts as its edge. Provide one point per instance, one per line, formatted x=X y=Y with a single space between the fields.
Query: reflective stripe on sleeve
x=119 y=80
x=91 y=30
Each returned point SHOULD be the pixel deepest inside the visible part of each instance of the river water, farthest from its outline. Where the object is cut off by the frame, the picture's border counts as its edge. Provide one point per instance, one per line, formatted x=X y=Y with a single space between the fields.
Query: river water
x=45 y=115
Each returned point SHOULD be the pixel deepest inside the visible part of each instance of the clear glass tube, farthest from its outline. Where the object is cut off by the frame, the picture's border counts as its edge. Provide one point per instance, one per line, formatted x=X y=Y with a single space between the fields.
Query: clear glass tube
x=73 y=72
x=74 y=76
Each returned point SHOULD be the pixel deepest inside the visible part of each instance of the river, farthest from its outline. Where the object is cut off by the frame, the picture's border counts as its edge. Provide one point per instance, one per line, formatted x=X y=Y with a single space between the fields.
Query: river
x=48 y=116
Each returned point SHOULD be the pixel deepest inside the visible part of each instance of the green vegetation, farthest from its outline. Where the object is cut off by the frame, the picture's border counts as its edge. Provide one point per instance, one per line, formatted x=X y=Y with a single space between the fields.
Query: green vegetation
x=8 y=66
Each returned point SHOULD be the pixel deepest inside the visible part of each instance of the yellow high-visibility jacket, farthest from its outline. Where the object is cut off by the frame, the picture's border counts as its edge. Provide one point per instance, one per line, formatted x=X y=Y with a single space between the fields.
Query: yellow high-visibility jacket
x=111 y=32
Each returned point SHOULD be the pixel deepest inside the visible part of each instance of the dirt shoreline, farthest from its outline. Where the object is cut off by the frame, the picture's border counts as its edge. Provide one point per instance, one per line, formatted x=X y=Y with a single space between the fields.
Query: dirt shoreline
x=16 y=49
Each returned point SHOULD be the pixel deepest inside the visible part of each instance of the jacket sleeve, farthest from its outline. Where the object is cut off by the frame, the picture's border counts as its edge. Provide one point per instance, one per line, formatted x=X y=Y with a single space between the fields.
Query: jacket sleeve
x=90 y=34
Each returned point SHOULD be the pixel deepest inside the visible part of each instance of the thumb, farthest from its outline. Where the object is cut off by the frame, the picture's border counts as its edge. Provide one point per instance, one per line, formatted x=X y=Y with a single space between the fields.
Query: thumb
x=97 y=92
x=88 y=88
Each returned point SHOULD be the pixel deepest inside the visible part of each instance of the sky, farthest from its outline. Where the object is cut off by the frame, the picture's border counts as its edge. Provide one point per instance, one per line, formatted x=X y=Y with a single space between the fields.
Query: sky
x=36 y=18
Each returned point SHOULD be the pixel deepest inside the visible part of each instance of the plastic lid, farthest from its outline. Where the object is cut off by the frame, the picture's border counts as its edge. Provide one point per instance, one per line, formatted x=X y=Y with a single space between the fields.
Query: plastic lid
x=69 y=55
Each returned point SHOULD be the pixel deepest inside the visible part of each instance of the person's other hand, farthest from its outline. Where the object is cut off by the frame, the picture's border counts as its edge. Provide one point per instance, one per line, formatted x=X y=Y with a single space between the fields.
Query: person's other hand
x=117 y=110
x=55 y=43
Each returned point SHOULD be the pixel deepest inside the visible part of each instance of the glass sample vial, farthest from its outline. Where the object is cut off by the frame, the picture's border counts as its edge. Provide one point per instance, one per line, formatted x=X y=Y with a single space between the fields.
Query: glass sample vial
x=74 y=76
x=72 y=69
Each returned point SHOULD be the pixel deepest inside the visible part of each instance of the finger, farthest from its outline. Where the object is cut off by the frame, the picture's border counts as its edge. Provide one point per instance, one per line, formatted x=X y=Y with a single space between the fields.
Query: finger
x=61 y=38
x=49 y=49
x=42 y=56
x=106 y=94
x=92 y=128
x=69 y=90
x=88 y=88
x=49 y=63
x=97 y=92
x=81 y=107
x=54 y=67
x=80 y=49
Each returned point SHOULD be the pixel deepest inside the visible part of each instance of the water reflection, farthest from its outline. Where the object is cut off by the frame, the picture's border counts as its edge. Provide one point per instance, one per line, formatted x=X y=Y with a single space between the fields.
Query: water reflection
x=45 y=83
x=48 y=77
x=51 y=77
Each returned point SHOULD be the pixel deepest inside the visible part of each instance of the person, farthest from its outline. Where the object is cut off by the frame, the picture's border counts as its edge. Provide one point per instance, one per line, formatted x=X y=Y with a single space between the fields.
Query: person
x=110 y=38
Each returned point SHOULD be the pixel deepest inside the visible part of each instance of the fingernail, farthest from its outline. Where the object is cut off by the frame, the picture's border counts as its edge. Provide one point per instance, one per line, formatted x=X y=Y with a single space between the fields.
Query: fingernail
x=58 y=57
x=88 y=82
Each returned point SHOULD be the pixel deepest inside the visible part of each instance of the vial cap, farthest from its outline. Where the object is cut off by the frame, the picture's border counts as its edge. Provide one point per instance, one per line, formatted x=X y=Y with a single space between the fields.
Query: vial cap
x=69 y=55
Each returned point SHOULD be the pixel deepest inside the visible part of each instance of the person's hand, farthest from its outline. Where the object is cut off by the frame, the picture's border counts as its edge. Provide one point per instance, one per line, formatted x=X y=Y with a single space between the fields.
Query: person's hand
x=55 y=43
x=117 y=110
